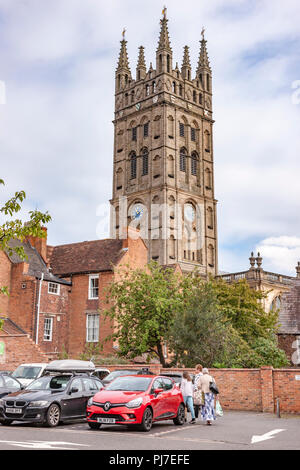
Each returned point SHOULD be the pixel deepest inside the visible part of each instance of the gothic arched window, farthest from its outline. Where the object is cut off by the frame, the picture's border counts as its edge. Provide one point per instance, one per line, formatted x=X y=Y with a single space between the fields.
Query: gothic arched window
x=207 y=141
x=207 y=179
x=133 y=165
x=210 y=218
x=194 y=163
x=182 y=159
x=145 y=160
x=172 y=247
x=160 y=62
x=180 y=90
x=211 y=256
x=207 y=82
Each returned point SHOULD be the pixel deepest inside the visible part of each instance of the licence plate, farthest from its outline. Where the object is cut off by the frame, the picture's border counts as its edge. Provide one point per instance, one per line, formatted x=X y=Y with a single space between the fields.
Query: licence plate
x=14 y=410
x=106 y=420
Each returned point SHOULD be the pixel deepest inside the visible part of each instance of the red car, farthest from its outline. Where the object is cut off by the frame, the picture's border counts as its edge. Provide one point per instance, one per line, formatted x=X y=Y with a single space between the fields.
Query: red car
x=136 y=399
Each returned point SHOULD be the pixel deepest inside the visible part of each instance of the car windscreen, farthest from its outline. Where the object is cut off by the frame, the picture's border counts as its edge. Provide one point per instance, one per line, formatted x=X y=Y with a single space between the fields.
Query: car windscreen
x=39 y=384
x=117 y=373
x=26 y=372
x=130 y=384
x=50 y=383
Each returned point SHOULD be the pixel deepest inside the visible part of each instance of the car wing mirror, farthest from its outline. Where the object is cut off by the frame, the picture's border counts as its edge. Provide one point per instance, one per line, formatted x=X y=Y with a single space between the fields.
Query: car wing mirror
x=157 y=391
x=74 y=390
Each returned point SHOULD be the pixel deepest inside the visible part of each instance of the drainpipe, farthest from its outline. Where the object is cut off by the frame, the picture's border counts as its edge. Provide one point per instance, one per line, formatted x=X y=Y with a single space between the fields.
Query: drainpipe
x=38 y=310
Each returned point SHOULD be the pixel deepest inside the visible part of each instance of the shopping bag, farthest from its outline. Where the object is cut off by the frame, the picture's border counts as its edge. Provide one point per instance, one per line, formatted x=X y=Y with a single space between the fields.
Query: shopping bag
x=219 y=411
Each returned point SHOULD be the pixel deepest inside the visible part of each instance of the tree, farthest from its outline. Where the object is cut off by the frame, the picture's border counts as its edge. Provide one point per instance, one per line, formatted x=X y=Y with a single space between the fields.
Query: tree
x=199 y=334
x=243 y=307
x=225 y=325
x=143 y=303
x=14 y=228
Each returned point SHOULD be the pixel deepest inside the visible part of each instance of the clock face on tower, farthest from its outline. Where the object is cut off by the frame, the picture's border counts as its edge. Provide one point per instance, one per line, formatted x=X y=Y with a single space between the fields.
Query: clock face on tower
x=189 y=212
x=137 y=211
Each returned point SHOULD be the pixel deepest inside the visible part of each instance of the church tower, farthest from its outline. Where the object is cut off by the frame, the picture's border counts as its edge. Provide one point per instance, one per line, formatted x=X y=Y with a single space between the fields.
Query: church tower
x=163 y=178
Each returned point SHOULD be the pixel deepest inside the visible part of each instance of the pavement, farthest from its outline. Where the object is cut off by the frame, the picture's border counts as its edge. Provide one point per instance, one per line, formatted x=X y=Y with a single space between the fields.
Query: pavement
x=233 y=431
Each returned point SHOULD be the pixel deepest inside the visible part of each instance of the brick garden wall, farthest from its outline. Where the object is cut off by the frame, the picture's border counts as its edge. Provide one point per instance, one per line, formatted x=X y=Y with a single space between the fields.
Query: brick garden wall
x=248 y=389
x=19 y=349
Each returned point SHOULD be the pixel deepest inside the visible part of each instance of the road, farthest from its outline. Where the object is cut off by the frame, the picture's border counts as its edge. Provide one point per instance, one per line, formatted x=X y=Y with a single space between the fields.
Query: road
x=234 y=431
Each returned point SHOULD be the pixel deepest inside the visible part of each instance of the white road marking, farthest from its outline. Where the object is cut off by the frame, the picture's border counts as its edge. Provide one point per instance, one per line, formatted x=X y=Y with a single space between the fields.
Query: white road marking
x=265 y=437
x=45 y=444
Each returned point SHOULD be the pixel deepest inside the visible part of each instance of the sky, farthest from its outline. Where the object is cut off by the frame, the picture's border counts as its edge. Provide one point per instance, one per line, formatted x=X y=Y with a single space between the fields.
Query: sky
x=57 y=71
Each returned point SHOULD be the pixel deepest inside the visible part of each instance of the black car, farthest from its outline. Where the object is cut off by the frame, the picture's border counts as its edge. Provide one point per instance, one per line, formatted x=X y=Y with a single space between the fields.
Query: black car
x=8 y=385
x=118 y=373
x=50 y=399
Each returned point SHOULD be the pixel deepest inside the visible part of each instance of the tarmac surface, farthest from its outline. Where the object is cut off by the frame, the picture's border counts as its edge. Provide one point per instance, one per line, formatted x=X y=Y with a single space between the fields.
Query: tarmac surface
x=233 y=431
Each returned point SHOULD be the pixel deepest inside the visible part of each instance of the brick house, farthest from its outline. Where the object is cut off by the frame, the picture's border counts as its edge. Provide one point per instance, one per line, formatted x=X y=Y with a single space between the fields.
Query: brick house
x=58 y=293
x=90 y=267
x=33 y=304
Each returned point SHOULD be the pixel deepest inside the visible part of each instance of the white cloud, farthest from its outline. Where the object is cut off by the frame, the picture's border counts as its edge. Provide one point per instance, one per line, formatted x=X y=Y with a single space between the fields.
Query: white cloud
x=280 y=254
x=58 y=61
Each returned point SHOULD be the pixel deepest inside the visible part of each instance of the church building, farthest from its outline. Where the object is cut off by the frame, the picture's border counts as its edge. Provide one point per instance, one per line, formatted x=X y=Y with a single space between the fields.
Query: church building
x=163 y=164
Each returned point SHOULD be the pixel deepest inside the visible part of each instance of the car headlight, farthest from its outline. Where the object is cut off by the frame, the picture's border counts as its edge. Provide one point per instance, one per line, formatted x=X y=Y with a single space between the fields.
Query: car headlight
x=1 y=402
x=90 y=401
x=38 y=404
x=134 y=403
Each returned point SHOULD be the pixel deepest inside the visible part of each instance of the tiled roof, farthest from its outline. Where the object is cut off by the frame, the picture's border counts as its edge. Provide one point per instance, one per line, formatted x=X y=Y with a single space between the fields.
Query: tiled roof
x=37 y=265
x=289 y=315
x=85 y=257
x=10 y=328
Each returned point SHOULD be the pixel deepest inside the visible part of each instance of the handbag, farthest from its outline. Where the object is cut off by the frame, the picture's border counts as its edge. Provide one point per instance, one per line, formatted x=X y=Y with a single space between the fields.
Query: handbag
x=197 y=397
x=219 y=411
x=213 y=388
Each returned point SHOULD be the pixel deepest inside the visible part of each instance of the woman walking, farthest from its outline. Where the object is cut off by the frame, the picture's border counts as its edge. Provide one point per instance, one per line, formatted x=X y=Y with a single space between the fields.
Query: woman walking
x=208 y=409
x=197 y=390
x=186 y=388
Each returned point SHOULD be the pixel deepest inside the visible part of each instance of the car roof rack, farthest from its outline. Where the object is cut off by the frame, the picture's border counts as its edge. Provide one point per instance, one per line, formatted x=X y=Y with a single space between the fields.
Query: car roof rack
x=70 y=366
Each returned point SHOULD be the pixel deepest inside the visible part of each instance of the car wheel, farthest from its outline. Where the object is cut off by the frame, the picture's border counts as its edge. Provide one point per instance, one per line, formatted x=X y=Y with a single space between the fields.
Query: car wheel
x=179 y=420
x=6 y=422
x=94 y=425
x=147 y=420
x=53 y=415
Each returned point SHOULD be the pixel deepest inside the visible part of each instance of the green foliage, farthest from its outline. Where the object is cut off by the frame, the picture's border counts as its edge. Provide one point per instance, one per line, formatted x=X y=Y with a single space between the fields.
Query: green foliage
x=209 y=322
x=225 y=325
x=63 y=353
x=91 y=350
x=265 y=352
x=143 y=305
x=200 y=334
x=242 y=306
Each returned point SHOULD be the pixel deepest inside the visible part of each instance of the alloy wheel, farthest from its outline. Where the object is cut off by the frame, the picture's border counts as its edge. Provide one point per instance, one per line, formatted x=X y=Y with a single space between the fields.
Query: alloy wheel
x=53 y=415
x=147 y=420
